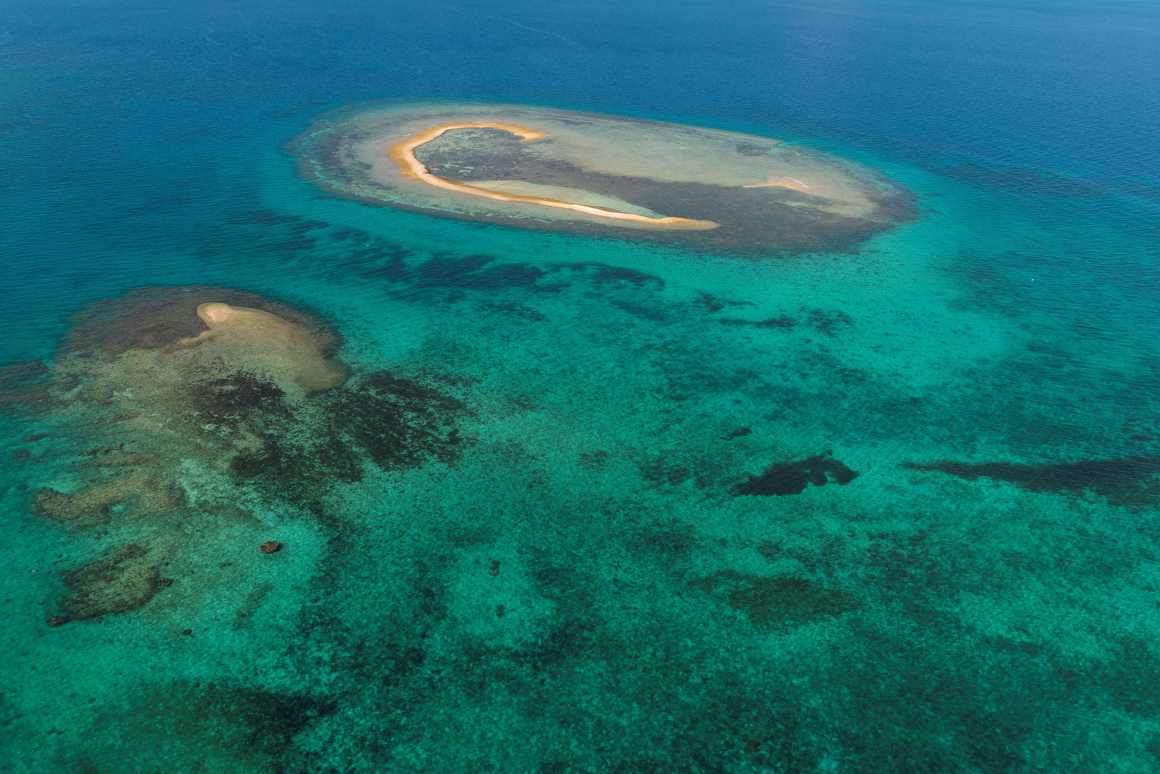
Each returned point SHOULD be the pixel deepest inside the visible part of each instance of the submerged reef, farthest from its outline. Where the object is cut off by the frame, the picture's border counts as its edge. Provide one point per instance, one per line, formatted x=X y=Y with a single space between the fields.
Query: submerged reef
x=138 y=491
x=122 y=580
x=157 y=318
x=24 y=385
x=791 y=478
x=201 y=406
x=252 y=728
x=1124 y=481
x=777 y=603
x=579 y=172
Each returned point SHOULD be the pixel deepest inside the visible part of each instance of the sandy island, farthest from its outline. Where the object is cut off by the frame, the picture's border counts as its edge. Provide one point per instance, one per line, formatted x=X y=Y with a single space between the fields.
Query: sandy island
x=268 y=343
x=403 y=154
x=560 y=170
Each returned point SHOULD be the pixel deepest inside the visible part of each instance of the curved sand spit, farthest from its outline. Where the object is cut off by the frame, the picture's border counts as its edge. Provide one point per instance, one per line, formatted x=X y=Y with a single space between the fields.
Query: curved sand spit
x=403 y=154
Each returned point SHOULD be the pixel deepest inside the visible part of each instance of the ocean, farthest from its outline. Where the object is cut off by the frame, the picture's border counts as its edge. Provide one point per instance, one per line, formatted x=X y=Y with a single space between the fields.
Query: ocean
x=585 y=503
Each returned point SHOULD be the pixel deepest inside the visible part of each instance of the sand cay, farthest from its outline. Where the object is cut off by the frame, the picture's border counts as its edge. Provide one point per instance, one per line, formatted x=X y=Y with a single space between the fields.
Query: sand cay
x=568 y=171
x=266 y=343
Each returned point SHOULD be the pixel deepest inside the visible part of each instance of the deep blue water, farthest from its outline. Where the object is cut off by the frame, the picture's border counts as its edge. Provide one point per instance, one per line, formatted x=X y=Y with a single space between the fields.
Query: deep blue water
x=1001 y=617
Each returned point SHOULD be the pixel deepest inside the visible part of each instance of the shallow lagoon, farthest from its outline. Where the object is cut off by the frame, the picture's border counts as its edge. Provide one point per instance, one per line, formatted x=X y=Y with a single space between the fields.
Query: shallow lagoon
x=647 y=551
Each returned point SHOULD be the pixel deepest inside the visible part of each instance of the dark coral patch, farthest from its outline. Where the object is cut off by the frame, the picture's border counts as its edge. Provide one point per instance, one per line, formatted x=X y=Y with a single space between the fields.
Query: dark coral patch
x=668 y=542
x=781 y=322
x=605 y=274
x=597 y=459
x=399 y=422
x=24 y=384
x=238 y=728
x=791 y=478
x=266 y=720
x=828 y=322
x=231 y=397
x=474 y=271
x=663 y=470
x=712 y=303
x=300 y=468
x=648 y=312
x=518 y=311
x=777 y=603
x=392 y=421
x=1124 y=481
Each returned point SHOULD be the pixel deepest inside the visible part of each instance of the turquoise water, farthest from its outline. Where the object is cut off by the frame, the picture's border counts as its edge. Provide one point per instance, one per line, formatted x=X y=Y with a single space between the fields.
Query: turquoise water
x=589 y=583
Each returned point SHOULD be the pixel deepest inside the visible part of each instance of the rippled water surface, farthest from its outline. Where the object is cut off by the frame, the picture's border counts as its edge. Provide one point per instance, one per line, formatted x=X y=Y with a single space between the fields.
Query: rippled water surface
x=482 y=498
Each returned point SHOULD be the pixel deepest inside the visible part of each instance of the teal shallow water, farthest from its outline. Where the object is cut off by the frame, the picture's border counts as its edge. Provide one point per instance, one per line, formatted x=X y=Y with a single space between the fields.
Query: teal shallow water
x=584 y=589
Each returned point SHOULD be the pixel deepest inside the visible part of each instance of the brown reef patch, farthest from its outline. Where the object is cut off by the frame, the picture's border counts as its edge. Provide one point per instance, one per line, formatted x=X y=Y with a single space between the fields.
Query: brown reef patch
x=120 y=581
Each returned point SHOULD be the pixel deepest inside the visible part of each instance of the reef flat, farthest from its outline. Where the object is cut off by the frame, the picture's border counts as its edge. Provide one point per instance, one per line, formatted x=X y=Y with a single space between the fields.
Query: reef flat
x=580 y=172
x=198 y=408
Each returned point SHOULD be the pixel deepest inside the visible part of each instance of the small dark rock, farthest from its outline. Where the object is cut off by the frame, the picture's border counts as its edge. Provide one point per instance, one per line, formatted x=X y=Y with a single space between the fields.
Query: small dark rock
x=270 y=547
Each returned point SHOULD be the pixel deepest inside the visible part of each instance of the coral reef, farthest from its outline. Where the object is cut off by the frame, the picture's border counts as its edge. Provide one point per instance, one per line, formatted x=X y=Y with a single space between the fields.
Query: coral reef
x=791 y=478
x=218 y=393
x=580 y=172
x=159 y=317
x=24 y=385
x=251 y=727
x=777 y=603
x=122 y=580
x=137 y=492
x=1125 y=481
x=381 y=419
